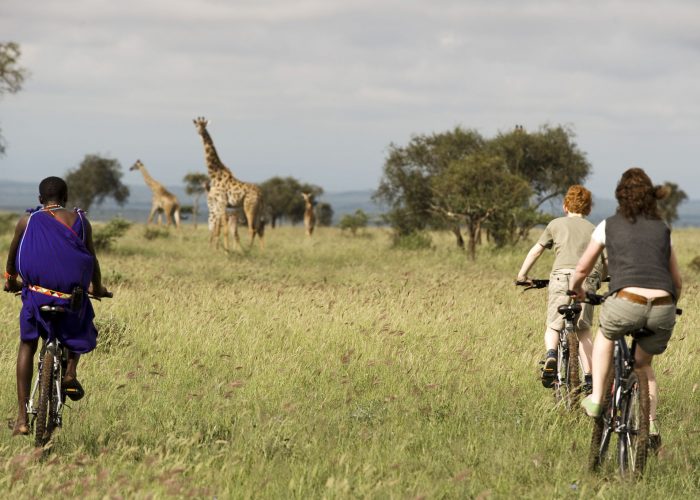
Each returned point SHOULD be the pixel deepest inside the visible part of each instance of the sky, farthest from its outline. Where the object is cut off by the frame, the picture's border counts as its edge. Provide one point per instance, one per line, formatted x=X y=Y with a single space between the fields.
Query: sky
x=318 y=89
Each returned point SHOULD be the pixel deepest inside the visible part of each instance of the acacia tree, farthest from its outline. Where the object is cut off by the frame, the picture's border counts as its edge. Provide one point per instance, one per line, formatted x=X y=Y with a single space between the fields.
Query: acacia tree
x=94 y=180
x=549 y=159
x=405 y=185
x=195 y=186
x=283 y=198
x=324 y=212
x=12 y=75
x=477 y=189
x=668 y=206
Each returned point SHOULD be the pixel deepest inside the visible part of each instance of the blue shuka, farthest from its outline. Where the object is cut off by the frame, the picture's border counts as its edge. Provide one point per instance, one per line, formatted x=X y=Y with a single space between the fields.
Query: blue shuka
x=54 y=256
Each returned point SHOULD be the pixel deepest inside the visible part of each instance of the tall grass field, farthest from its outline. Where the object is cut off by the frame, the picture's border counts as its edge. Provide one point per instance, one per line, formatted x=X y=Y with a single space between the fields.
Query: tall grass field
x=331 y=367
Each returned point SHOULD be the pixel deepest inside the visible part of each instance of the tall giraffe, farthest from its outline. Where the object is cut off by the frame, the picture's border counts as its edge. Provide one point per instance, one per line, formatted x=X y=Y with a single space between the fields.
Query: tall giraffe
x=225 y=190
x=309 y=214
x=162 y=198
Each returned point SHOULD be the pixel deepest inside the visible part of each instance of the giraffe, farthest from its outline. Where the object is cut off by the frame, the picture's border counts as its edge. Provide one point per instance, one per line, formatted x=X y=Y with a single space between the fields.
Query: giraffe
x=162 y=198
x=309 y=214
x=225 y=190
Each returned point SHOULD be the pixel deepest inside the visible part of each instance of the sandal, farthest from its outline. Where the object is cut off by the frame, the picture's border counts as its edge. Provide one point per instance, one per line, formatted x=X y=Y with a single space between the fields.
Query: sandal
x=73 y=389
x=549 y=371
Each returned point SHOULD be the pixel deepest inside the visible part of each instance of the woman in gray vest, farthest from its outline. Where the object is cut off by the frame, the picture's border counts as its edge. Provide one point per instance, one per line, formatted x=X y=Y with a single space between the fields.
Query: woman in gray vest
x=644 y=287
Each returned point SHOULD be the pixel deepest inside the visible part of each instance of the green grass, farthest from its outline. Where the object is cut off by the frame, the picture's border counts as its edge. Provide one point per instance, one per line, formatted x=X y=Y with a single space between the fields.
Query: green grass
x=333 y=367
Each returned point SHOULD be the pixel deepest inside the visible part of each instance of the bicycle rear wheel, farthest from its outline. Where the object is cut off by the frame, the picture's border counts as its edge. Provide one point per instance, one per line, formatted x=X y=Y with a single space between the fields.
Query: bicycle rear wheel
x=568 y=380
x=602 y=427
x=632 y=443
x=43 y=415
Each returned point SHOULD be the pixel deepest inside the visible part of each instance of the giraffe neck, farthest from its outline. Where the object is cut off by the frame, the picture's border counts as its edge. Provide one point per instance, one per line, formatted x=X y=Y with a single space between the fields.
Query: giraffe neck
x=210 y=155
x=150 y=181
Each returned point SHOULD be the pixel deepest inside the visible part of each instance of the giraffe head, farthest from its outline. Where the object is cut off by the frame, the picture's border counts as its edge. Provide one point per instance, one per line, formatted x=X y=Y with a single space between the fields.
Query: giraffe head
x=200 y=124
x=137 y=165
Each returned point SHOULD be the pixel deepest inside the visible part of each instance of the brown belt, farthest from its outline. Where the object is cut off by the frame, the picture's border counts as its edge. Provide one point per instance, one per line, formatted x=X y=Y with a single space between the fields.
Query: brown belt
x=640 y=299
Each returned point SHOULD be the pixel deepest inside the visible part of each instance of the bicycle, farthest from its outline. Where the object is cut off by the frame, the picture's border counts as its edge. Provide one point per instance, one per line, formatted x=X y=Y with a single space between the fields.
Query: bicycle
x=625 y=407
x=47 y=413
x=567 y=385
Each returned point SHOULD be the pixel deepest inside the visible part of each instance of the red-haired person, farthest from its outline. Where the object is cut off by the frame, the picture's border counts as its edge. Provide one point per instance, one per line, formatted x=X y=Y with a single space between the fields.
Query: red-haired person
x=645 y=283
x=568 y=236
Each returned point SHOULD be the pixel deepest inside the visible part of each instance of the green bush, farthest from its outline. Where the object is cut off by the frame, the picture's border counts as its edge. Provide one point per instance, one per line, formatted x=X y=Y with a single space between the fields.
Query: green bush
x=103 y=237
x=416 y=240
x=695 y=264
x=152 y=233
x=353 y=222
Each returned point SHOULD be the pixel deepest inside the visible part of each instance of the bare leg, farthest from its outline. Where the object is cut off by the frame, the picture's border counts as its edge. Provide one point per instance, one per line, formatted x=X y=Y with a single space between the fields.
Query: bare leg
x=602 y=357
x=25 y=362
x=585 y=349
x=642 y=361
x=551 y=339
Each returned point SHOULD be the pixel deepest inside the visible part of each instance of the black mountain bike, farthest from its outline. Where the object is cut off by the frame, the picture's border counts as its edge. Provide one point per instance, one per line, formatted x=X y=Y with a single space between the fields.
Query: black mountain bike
x=567 y=386
x=625 y=408
x=47 y=400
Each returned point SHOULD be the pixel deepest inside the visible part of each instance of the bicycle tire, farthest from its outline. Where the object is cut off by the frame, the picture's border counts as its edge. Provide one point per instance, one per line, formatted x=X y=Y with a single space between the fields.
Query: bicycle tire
x=632 y=444
x=602 y=427
x=572 y=375
x=43 y=416
x=561 y=390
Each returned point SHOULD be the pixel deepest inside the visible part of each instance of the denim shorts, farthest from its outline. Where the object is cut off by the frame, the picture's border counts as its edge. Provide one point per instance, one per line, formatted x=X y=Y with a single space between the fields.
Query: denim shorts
x=620 y=316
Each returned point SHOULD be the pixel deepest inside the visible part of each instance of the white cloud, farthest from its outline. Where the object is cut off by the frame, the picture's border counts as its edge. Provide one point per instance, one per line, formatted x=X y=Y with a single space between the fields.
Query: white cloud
x=279 y=75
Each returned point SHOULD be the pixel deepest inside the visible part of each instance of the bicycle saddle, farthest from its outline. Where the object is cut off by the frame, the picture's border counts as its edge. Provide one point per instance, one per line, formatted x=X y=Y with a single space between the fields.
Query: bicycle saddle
x=574 y=308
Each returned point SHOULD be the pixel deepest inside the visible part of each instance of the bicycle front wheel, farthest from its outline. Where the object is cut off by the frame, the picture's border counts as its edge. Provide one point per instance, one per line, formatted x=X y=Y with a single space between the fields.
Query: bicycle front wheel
x=603 y=426
x=43 y=416
x=634 y=409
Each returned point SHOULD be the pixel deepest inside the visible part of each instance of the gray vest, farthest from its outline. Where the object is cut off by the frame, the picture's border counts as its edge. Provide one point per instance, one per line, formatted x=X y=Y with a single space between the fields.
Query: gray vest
x=639 y=254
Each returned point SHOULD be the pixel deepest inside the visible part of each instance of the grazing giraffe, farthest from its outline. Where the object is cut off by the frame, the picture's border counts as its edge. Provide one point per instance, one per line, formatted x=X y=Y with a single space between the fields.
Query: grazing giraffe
x=162 y=198
x=309 y=214
x=225 y=190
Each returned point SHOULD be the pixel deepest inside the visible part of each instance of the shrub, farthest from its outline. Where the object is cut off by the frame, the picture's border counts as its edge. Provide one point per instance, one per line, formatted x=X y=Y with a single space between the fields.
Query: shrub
x=695 y=264
x=353 y=222
x=103 y=237
x=415 y=240
x=151 y=233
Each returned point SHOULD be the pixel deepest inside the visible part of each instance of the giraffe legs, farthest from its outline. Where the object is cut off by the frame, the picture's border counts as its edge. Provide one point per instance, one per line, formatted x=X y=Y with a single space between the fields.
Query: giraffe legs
x=176 y=214
x=154 y=209
x=255 y=224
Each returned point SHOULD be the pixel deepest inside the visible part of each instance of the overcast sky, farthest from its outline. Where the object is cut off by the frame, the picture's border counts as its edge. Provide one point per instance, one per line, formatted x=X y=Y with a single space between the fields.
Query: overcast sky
x=318 y=89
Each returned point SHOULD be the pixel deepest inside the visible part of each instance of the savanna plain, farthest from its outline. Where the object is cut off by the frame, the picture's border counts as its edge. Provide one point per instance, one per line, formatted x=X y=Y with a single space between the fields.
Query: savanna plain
x=331 y=367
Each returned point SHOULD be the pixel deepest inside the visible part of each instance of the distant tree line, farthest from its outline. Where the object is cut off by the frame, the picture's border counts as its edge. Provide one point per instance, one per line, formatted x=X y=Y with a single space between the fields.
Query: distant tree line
x=469 y=184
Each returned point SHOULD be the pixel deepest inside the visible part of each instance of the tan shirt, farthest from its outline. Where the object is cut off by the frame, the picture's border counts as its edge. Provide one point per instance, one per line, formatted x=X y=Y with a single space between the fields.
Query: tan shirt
x=568 y=236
